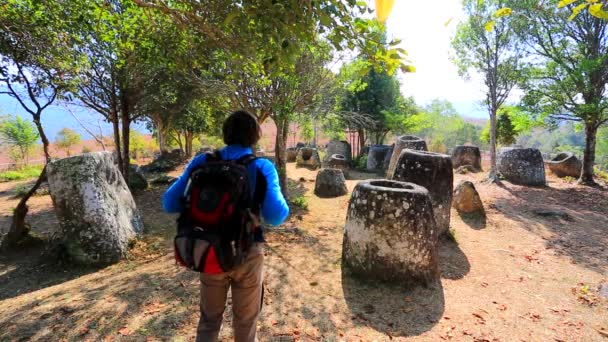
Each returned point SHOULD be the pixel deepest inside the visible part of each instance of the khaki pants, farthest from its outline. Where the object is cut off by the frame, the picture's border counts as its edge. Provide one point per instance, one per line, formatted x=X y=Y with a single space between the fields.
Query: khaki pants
x=246 y=282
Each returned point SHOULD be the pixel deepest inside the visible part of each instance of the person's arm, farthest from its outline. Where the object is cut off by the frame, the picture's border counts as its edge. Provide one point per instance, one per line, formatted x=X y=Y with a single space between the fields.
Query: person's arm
x=274 y=207
x=173 y=197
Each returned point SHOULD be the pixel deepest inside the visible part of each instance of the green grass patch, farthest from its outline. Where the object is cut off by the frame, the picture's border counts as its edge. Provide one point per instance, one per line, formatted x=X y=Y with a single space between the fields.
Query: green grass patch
x=299 y=202
x=27 y=172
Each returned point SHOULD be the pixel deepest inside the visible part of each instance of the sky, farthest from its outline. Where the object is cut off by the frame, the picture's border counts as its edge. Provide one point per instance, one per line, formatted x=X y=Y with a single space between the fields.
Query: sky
x=421 y=27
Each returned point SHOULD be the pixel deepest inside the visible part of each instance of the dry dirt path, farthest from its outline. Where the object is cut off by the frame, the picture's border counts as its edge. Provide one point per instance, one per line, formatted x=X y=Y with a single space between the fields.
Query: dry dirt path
x=518 y=277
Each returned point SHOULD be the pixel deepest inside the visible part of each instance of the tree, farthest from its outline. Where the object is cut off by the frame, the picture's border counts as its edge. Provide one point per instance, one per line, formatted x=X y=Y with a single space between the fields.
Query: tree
x=36 y=67
x=66 y=139
x=19 y=133
x=494 y=51
x=505 y=131
x=568 y=80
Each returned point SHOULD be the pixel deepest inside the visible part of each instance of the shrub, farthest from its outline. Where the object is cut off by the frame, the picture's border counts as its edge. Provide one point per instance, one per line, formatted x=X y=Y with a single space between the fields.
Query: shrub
x=361 y=161
x=299 y=202
x=27 y=172
x=85 y=149
x=21 y=189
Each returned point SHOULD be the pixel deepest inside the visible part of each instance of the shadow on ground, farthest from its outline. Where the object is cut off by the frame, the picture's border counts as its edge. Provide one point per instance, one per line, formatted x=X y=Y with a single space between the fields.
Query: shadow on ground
x=577 y=220
x=393 y=310
x=453 y=263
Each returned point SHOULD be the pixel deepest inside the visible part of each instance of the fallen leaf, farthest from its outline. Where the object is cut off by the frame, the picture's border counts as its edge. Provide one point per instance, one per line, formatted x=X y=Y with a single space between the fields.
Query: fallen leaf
x=467 y=332
x=274 y=322
x=124 y=331
x=84 y=331
x=484 y=284
x=154 y=308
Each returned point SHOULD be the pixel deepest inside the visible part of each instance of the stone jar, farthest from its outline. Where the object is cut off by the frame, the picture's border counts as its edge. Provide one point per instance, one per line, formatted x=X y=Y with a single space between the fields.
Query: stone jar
x=565 y=164
x=375 y=157
x=330 y=183
x=390 y=233
x=523 y=166
x=96 y=211
x=404 y=142
x=434 y=172
x=308 y=157
x=466 y=155
x=339 y=147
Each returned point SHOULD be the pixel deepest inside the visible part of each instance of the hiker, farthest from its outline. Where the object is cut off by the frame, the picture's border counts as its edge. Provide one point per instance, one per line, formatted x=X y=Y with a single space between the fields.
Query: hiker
x=241 y=132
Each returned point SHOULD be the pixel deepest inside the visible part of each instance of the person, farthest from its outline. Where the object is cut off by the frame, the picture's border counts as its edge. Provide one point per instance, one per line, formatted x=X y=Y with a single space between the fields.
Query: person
x=241 y=132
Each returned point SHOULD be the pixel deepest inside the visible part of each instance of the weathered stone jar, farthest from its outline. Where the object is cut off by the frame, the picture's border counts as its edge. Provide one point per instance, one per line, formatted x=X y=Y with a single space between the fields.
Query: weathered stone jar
x=524 y=166
x=330 y=183
x=338 y=161
x=308 y=157
x=97 y=215
x=565 y=164
x=390 y=233
x=375 y=157
x=404 y=142
x=466 y=155
x=339 y=147
x=434 y=172
x=291 y=153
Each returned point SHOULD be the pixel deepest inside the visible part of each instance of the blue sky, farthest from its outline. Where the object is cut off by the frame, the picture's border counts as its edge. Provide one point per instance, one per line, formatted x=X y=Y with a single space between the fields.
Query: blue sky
x=421 y=27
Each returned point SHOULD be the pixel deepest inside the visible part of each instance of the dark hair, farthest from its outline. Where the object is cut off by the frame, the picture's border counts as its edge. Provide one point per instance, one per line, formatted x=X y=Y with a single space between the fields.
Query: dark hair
x=241 y=128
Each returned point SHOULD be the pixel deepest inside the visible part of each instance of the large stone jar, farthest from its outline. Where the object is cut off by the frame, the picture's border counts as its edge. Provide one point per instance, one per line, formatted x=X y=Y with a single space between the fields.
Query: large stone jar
x=404 y=142
x=330 y=183
x=390 y=233
x=565 y=164
x=434 y=172
x=291 y=154
x=466 y=155
x=339 y=147
x=375 y=157
x=97 y=215
x=338 y=161
x=524 y=166
x=308 y=157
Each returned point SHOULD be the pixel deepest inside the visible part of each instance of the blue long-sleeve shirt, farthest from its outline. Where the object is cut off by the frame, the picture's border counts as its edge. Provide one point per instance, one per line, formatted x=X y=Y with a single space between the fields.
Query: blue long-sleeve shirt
x=274 y=206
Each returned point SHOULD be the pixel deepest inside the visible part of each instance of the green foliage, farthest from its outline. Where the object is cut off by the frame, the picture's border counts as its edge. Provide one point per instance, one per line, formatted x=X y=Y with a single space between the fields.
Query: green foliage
x=440 y=123
x=299 y=202
x=25 y=173
x=506 y=134
x=138 y=146
x=361 y=162
x=18 y=133
x=66 y=139
x=86 y=149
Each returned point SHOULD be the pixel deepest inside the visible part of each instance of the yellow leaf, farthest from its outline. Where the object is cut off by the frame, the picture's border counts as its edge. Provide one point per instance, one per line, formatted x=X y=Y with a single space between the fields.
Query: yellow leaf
x=576 y=10
x=564 y=3
x=448 y=22
x=383 y=9
x=503 y=12
x=489 y=26
x=592 y=1
x=596 y=11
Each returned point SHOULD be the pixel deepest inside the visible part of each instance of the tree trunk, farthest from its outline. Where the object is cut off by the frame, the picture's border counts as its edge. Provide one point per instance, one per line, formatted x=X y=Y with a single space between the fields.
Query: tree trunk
x=126 y=159
x=116 y=131
x=280 y=152
x=493 y=175
x=589 y=155
x=19 y=230
x=361 y=135
x=188 y=137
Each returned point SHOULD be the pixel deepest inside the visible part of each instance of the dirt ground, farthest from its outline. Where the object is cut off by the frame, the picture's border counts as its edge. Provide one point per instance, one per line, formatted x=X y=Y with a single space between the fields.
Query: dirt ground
x=517 y=276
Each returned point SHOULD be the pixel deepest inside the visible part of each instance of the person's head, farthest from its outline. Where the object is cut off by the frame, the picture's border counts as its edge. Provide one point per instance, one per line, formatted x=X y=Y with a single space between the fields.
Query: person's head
x=241 y=128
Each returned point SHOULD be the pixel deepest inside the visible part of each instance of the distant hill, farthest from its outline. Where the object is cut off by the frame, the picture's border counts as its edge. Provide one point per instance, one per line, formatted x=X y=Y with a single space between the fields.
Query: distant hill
x=475 y=121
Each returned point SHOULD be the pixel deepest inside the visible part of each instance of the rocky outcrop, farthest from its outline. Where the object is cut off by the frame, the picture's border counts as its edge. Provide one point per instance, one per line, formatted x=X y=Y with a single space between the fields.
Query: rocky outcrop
x=390 y=233
x=308 y=157
x=404 y=142
x=565 y=164
x=338 y=147
x=466 y=199
x=466 y=155
x=375 y=157
x=522 y=166
x=434 y=172
x=330 y=183
x=98 y=217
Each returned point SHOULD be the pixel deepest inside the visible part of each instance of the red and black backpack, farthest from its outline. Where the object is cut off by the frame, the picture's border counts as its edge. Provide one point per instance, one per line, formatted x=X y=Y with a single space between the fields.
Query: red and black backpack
x=216 y=229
